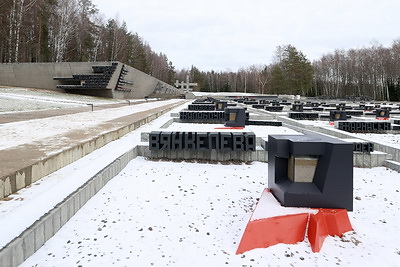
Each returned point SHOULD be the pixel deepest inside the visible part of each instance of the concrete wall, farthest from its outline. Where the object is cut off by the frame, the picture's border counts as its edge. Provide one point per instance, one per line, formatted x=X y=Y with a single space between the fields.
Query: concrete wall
x=40 y=75
x=143 y=85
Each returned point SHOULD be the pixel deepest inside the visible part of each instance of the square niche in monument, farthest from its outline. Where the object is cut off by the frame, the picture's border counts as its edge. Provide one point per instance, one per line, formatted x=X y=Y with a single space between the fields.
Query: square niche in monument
x=382 y=113
x=220 y=105
x=312 y=170
x=337 y=115
x=302 y=169
x=235 y=117
x=297 y=107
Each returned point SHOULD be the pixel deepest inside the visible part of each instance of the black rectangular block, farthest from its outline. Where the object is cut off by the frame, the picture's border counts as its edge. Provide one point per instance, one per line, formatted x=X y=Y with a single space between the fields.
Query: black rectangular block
x=202 y=116
x=303 y=116
x=264 y=123
x=273 y=108
x=364 y=127
x=202 y=141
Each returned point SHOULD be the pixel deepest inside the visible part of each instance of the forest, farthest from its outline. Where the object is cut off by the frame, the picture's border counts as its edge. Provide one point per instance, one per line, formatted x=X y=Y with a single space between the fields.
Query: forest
x=75 y=31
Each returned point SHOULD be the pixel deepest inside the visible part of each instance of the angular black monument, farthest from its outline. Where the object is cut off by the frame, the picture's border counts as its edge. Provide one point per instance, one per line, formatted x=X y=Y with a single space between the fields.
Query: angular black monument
x=235 y=117
x=220 y=105
x=297 y=107
x=313 y=171
x=337 y=115
x=382 y=113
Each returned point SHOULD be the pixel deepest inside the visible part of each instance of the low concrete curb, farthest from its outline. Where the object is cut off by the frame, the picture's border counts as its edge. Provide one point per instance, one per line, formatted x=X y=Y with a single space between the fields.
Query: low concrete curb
x=361 y=160
x=25 y=245
x=34 y=237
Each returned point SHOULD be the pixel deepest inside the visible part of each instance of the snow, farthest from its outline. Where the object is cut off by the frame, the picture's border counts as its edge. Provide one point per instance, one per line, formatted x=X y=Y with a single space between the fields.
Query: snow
x=164 y=213
x=154 y=213
x=22 y=99
x=388 y=139
x=268 y=206
x=20 y=133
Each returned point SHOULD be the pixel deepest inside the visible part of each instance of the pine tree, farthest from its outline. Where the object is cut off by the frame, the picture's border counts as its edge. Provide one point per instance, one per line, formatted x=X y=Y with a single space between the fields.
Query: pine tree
x=292 y=73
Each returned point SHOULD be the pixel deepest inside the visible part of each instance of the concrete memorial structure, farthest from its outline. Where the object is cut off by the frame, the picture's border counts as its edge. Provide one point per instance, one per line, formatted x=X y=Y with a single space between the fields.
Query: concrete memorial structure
x=313 y=171
x=185 y=86
x=104 y=79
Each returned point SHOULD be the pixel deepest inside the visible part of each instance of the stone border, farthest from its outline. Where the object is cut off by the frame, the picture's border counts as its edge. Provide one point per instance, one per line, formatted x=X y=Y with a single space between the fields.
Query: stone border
x=34 y=237
x=392 y=152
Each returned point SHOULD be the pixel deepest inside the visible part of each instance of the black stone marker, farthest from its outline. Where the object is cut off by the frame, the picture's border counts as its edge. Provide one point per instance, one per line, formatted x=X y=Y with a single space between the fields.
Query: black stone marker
x=235 y=117
x=312 y=171
x=382 y=113
x=303 y=116
x=337 y=115
x=220 y=105
x=297 y=107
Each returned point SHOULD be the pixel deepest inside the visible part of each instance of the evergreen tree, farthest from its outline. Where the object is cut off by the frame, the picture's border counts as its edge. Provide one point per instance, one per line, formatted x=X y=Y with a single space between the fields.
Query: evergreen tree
x=293 y=73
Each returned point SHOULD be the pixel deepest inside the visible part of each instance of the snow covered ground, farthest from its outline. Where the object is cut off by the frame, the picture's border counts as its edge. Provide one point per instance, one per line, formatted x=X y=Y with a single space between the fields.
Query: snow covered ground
x=19 y=133
x=157 y=213
x=21 y=99
x=185 y=214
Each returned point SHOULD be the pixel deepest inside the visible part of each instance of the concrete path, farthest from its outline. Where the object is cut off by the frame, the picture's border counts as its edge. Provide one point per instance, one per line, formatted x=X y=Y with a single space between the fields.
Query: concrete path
x=40 y=114
x=24 y=164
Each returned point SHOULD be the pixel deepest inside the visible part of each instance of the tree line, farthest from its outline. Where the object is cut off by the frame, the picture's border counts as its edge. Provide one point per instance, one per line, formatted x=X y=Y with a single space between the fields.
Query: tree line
x=73 y=30
x=369 y=73
x=290 y=73
x=372 y=72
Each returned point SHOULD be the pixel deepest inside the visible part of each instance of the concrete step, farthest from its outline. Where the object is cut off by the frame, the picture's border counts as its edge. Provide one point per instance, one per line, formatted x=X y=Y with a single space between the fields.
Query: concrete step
x=394 y=165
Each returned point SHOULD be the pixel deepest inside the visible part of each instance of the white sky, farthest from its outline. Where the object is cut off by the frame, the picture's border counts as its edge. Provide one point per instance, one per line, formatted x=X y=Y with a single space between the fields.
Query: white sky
x=229 y=34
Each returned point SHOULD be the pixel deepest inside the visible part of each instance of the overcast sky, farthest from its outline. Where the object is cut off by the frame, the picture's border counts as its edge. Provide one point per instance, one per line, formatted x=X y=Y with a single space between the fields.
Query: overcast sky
x=229 y=34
